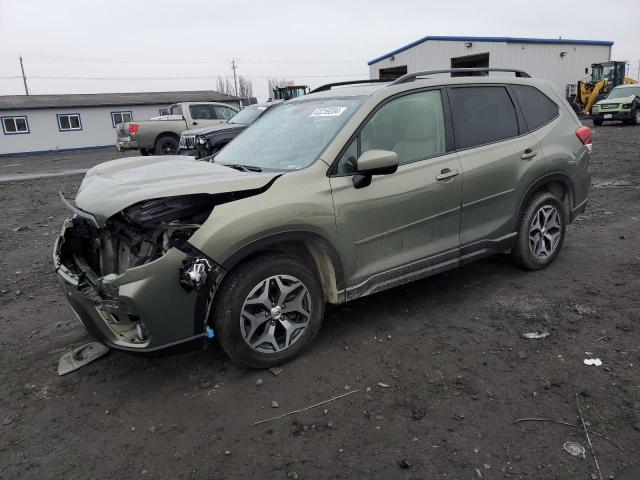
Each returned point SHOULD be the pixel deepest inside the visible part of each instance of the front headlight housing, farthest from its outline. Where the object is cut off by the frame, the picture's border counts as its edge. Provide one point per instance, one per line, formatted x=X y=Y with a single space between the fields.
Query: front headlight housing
x=201 y=140
x=161 y=211
x=626 y=106
x=150 y=228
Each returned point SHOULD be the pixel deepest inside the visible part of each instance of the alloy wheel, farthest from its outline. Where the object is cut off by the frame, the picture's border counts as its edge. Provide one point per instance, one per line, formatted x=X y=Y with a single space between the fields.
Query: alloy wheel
x=275 y=314
x=545 y=232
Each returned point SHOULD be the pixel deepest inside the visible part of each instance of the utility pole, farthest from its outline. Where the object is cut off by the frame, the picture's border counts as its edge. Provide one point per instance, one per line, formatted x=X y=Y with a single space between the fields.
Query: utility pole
x=234 y=65
x=24 y=78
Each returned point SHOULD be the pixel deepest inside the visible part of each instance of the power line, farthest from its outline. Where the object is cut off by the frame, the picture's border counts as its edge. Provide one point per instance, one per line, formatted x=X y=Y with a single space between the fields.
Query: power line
x=195 y=77
x=73 y=59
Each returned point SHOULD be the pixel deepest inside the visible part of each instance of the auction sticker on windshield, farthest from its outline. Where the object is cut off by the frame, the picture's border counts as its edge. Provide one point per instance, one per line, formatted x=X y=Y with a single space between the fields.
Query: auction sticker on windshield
x=328 y=112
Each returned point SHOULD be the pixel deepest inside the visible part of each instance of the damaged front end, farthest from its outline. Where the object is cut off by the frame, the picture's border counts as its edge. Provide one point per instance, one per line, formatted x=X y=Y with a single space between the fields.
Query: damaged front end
x=134 y=281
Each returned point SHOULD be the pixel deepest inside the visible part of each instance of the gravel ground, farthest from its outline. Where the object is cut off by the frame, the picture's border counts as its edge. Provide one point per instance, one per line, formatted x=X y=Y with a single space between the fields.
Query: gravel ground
x=440 y=365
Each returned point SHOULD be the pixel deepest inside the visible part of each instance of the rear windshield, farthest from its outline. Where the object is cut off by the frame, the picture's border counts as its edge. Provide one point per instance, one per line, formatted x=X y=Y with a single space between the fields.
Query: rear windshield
x=292 y=136
x=624 y=92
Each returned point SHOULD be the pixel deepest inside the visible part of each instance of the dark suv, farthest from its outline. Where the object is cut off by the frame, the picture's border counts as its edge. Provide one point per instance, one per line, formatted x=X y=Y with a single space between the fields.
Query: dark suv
x=205 y=141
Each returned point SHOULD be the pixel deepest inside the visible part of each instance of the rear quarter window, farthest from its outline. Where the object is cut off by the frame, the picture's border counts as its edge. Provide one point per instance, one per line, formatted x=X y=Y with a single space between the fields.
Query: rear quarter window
x=481 y=115
x=538 y=109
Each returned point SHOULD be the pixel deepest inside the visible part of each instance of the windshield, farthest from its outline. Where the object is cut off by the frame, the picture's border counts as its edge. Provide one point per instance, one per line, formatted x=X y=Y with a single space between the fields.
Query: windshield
x=292 y=136
x=624 y=92
x=598 y=72
x=247 y=115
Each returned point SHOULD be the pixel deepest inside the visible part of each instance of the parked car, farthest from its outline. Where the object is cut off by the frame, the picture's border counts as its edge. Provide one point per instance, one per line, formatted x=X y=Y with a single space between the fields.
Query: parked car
x=205 y=141
x=160 y=135
x=330 y=197
x=622 y=103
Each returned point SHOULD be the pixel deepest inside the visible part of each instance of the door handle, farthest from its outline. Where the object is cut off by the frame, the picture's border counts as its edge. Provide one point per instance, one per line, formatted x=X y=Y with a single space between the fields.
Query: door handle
x=447 y=173
x=528 y=154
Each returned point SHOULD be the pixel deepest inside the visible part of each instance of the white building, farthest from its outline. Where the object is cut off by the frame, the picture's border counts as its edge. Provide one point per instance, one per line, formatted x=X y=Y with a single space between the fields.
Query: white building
x=44 y=123
x=561 y=61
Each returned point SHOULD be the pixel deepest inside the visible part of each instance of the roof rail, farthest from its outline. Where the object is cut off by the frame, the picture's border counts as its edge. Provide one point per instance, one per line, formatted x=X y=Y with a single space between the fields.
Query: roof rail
x=329 y=86
x=409 y=77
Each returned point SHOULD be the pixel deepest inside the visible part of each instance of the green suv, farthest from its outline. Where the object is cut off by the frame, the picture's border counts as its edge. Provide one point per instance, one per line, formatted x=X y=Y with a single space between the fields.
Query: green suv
x=622 y=103
x=347 y=191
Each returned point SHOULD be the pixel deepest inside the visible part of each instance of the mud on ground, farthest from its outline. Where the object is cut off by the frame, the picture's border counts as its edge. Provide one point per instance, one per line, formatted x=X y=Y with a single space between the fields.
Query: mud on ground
x=449 y=348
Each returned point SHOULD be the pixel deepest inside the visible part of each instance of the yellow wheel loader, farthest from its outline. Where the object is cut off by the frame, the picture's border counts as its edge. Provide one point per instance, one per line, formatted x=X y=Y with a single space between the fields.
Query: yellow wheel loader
x=604 y=76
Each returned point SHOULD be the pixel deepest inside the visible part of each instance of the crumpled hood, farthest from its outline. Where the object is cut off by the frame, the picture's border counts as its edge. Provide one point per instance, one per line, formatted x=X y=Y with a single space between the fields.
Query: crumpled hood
x=112 y=186
x=621 y=100
x=213 y=129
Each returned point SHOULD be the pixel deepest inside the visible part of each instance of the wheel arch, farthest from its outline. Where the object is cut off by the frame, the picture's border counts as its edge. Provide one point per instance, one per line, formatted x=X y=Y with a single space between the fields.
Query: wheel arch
x=310 y=246
x=559 y=184
x=166 y=134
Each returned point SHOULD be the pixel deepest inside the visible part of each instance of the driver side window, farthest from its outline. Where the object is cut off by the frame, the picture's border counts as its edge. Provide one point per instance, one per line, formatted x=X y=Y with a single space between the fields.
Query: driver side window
x=411 y=125
x=347 y=163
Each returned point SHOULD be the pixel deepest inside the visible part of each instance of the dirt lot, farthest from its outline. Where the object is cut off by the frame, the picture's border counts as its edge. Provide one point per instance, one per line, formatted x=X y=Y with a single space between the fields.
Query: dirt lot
x=450 y=349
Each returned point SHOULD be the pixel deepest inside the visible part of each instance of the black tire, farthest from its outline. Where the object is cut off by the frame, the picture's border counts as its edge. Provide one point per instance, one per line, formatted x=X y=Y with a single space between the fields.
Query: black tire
x=144 y=152
x=166 y=146
x=597 y=122
x=235 y=289
x=635 y=116
x=523 y=252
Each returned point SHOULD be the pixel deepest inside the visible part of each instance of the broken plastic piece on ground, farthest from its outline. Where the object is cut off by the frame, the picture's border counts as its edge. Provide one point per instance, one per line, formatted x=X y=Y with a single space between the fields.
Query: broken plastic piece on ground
x=575 y=449
x=593 y=361
x=81 y=356
x=534 y=335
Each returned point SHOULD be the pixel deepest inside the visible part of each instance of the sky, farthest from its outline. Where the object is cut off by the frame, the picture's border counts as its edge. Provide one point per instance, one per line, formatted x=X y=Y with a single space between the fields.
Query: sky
x=160 y=45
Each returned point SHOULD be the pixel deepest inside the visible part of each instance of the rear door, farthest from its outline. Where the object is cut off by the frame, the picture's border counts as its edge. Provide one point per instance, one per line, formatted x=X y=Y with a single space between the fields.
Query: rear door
x=496 y=153
x=388 y=228
x=203 y=115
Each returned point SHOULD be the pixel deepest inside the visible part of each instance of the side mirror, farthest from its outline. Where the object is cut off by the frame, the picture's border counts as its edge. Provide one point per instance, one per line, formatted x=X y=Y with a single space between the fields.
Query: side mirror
x=374 y=162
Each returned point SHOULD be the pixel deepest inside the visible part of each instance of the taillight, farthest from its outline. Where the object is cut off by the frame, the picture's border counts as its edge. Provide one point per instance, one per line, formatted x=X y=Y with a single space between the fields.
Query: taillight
x=584 y=134
x=133 y=128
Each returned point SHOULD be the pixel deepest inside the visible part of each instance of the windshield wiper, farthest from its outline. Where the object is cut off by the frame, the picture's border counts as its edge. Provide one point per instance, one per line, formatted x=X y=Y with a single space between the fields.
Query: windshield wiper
x=242 y=168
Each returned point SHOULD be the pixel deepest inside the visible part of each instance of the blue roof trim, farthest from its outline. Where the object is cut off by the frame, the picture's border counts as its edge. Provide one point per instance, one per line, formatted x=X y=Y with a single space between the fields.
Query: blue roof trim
x=557 y=41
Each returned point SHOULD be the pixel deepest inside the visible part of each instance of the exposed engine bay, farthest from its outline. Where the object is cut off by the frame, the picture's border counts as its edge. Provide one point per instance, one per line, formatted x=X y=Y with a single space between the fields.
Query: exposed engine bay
x=137 y=235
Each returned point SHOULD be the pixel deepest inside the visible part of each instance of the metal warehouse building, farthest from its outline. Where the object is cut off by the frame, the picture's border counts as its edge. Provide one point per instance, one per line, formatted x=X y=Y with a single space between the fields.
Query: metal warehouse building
x=561 y=61
x=42 y=123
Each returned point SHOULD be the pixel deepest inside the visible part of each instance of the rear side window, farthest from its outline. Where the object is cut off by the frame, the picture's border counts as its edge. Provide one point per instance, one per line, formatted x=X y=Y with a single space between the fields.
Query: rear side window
x=537 y=107
x=202 y=112
x=482 y=115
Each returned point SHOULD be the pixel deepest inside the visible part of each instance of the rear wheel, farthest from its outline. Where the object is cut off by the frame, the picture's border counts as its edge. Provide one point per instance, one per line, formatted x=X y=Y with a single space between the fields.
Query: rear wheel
x=166 y=146
x=541 y=232
x=268 y=310
x=144 y=152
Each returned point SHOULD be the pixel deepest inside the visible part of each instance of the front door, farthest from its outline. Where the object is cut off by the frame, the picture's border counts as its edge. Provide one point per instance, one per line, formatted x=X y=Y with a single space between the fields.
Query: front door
x=390 y=227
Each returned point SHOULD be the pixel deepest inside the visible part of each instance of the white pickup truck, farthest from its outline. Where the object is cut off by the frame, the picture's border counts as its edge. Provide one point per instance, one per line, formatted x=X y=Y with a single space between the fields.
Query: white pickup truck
x=160 y=135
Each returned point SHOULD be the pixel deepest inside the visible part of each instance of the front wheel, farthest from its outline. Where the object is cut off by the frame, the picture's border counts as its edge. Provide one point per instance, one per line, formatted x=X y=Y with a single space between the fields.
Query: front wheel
x=268 y=310
x=597 y=122
x=541 y=232
x=635 y=116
